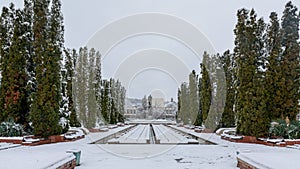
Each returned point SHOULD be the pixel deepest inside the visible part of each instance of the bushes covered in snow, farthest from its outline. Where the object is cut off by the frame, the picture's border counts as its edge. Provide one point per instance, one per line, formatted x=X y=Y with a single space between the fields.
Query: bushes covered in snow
x=11 y=129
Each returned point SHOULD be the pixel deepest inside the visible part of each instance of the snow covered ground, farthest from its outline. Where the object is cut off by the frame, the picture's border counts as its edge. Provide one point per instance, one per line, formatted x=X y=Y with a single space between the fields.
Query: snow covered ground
x=265 y=157
x=150 y=156
x=4 y=146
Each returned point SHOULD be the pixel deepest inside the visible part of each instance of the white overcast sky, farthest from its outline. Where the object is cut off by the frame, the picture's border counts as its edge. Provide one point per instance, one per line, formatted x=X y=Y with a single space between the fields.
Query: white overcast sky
x=216 y=19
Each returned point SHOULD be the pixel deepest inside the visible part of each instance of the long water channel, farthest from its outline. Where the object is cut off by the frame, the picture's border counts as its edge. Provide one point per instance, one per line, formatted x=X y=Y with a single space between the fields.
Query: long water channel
x=151 y=134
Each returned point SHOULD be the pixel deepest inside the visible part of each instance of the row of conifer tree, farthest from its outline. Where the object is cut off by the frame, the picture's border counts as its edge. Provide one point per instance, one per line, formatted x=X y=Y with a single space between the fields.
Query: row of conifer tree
x=39 y=74
x=262 y=77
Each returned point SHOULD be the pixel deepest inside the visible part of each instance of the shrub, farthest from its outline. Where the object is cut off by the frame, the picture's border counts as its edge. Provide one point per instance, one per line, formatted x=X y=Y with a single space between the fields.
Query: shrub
x=11 y=129
x=291 y=131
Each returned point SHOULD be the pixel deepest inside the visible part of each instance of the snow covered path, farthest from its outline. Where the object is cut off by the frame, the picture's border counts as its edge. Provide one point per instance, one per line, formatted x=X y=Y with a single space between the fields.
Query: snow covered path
x=156 y=156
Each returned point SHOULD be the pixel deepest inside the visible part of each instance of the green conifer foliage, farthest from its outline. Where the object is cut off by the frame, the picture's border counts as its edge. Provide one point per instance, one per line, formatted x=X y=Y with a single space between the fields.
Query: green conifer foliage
x=228 y=116
x=193 y=97
x=47 y=47
x=273 y=74
x=6 y=34
x=290 y=61
x=206 y=89
x=16 y=105
x=252 y=116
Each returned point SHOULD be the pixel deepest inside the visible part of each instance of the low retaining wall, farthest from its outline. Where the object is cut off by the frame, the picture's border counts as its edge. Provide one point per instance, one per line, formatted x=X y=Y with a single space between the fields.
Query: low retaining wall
x=68 y=165
x=254 y=140
x=51 y=139
x=17 y=141
x=244 y=165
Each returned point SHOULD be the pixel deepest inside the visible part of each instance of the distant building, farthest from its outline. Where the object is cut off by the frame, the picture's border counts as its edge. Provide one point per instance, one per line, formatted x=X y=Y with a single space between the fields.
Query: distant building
x=158 y=102
x=170 y=111
x=131 y=112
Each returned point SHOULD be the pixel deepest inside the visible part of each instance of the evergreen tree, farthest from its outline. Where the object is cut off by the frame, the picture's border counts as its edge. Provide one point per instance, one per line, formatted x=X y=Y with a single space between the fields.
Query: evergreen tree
x=273 y=74
x=6 y=34
x=178 y=105
x=92 y=95
x=105 y=101
x=193 y=97
x=80 y=86
x=122 y=104
x=91 y=92
x=145 y=103
x=150 y=107
x=47 y=48
x=112 y=116
x=150 y=101
x=16 y=105
x=98 y=86
x=30 y=65
x=117 y=100
x=199 y=118
x=113 y=101
x=253 y=118
x=217 y=83
x=88 y=88
x=55 y=49
x=290 y=61
x=64 y=102
x=184 y=103
x=206 y=88
x=239 y=54
x=228 y=116
x=71 y=57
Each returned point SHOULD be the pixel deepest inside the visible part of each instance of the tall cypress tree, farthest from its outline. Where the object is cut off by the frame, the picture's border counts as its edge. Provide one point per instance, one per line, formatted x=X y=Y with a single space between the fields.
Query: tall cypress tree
x=178 y=105
x=98 y=85
x=30 y=65
x=47 y=43
x=199 y=118
x=81 y=85
x=184 y=103
x=206 y=88
x=193 y=97
x=16 y=105
x=113 y=112
x=91 y=95
x=6 y=34
x=242 y=78
x=290 y=61
x=122 y=104
x=105 y=101
x=71 y=57
x=249 y=54
x=217 y=82
x=228 y=116
x=261 y=114
x=55 y=54
x=273 y=76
